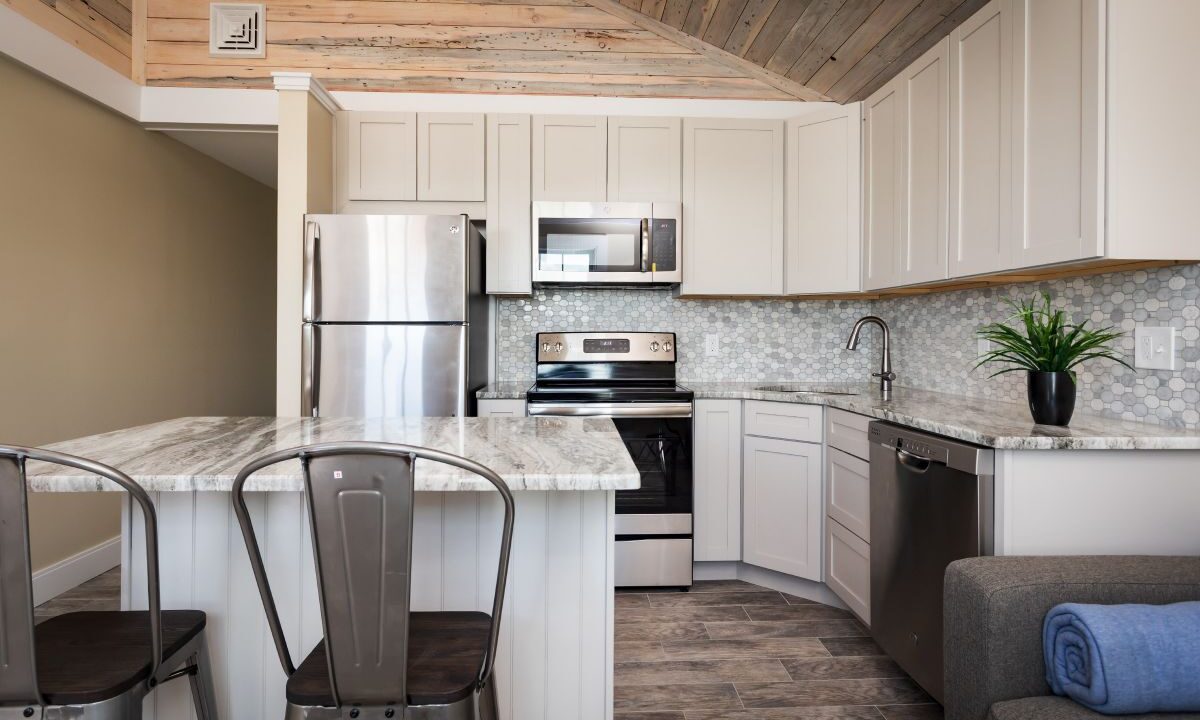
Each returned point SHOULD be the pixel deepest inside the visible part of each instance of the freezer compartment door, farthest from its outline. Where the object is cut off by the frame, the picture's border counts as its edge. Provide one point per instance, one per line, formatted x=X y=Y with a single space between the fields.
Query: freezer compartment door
x=385 y=370
x=385 y=268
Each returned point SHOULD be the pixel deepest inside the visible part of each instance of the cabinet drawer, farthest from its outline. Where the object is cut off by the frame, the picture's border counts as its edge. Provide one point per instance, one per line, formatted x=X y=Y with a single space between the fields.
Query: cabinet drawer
x=501 y=408
x=849 y=491
x=849 y=569
x=847 y=432
x=785 y=421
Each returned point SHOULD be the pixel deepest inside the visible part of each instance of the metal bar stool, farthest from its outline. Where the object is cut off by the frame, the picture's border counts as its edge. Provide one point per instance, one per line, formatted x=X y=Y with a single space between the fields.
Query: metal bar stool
x=378 y=659
x=87 y=665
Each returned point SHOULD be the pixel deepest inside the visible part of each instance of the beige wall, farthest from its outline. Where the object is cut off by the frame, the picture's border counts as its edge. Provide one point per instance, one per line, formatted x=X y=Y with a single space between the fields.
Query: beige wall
x=137 y=283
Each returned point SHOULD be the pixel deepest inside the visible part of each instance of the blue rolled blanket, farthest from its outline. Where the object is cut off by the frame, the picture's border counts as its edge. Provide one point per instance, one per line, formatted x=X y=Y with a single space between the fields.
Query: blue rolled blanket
x=1125 y=659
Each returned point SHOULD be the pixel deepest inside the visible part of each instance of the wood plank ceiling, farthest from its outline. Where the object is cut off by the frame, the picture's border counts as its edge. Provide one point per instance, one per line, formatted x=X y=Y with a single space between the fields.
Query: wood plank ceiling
x=565 y=47
x=844 y=49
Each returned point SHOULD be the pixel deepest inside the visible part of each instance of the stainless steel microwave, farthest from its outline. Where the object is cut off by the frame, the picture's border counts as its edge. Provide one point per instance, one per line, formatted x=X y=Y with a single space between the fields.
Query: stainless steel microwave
x=618 y=243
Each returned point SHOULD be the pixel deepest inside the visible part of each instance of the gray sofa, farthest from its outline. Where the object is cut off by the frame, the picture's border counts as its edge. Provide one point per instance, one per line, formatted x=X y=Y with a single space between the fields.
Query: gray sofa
x=994 y=608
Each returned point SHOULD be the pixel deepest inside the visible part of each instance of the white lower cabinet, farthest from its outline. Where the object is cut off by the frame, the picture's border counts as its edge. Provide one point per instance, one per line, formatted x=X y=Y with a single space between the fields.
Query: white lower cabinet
x=849 y=482
x=501 y=408
x=717 y=480
x=848 y=573
x=782 y=507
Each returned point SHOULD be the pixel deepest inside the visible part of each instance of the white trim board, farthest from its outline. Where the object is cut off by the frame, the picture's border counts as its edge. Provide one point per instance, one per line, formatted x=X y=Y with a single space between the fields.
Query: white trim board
x=52 y=581
x=800 y=587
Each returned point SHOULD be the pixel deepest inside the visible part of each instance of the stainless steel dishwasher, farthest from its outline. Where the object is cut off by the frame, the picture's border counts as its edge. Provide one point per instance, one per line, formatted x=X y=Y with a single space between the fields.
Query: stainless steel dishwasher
x=931 y=504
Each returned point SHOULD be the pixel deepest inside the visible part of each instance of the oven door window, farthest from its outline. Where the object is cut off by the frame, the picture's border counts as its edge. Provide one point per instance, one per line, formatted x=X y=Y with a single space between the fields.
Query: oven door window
x=661 y=449
x=590 y=245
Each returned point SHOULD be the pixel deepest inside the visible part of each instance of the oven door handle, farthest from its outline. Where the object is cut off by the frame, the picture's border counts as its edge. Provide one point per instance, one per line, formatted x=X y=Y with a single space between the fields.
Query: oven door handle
x=611 y=410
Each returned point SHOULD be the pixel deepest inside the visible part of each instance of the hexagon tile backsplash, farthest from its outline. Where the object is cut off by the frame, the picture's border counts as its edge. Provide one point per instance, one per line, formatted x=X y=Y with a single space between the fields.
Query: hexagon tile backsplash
x=933 y=337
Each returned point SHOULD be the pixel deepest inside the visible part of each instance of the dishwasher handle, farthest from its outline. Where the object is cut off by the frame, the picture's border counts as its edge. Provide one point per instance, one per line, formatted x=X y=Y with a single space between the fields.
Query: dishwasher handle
x=916 y=463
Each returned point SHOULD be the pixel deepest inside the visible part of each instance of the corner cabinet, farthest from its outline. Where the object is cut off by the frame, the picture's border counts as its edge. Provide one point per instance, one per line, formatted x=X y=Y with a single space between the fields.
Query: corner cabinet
x=509 y=251
x=717 y=480
x=570 y=158
x=782 y=507
x=823 y=202
x=732 y=207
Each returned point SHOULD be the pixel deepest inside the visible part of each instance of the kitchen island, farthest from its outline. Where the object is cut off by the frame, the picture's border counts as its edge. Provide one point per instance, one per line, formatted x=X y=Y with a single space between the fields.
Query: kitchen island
x=555 y=654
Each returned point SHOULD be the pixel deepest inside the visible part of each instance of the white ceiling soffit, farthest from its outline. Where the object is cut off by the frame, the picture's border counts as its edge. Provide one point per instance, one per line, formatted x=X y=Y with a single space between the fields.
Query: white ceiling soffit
x=250 y=152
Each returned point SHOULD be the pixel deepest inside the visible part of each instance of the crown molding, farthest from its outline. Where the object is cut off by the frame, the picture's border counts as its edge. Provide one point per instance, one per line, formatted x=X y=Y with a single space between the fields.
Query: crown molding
x=306 y=82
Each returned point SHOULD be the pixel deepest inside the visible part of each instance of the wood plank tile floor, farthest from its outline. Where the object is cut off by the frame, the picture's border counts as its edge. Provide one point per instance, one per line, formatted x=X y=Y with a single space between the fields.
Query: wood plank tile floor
x=729 y=650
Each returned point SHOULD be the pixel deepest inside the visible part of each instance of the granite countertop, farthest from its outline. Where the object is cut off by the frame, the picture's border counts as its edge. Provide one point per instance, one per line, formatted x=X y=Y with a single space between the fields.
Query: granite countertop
x=505 y=390
x=206 y=453
x=992 y=423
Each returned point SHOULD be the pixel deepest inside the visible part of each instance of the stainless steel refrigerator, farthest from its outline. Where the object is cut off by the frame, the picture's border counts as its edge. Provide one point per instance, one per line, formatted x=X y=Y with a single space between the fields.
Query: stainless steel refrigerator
x=395 y=319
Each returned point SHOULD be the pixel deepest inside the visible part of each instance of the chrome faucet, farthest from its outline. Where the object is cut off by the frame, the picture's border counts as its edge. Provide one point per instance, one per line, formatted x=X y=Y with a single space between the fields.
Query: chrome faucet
x=885 y=374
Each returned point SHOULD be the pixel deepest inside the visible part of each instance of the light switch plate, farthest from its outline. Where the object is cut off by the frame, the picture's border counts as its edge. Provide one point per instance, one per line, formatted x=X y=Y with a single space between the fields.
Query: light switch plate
x=712 y=344
x=1154 y=348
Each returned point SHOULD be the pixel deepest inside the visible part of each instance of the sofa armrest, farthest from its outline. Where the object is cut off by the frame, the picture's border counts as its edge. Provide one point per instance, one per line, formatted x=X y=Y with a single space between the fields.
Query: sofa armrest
x=994 y=608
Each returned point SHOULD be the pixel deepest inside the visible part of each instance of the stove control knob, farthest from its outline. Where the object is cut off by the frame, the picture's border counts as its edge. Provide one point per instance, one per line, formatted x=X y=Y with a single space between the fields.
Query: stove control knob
x=558 y=347
x=545 y=347
x=654 y=346
x=667 y=346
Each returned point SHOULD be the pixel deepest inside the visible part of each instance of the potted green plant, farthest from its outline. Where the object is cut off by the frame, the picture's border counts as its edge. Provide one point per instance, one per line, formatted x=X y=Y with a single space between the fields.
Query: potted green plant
x=1048 y=347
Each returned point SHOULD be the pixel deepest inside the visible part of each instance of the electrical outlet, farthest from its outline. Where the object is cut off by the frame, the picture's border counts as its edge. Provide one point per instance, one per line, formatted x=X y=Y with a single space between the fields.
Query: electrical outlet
x=983 y=346
x=1154 y=348
x=712 y=344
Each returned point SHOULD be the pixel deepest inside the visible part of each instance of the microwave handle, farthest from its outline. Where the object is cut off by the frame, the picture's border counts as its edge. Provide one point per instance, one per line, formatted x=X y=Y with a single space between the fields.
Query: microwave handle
x=645 y=245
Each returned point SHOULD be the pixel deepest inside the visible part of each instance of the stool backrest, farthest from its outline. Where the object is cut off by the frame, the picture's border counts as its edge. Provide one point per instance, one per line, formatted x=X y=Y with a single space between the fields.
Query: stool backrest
x=360 y=501
x=18 y=660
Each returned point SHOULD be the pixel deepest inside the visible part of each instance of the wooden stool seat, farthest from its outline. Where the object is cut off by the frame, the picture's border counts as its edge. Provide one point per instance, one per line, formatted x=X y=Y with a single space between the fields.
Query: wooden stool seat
x=90 y=657
x=445 y=650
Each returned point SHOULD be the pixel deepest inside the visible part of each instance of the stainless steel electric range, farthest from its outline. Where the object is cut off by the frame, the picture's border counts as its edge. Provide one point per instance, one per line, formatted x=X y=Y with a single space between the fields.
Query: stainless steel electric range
x=630 y=377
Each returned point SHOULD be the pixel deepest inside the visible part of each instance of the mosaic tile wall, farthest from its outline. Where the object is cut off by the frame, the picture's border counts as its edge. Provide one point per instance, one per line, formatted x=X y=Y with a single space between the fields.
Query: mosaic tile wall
x=934 y=343
x=760 y=339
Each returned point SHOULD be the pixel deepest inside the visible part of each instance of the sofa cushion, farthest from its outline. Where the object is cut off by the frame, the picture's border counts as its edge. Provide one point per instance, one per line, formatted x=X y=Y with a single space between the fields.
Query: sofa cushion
x=1059 y=708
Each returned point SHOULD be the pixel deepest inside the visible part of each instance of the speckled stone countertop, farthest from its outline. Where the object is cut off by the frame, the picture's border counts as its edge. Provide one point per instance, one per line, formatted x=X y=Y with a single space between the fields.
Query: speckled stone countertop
x=992 y=423
x=505 y=390
x=206 y=453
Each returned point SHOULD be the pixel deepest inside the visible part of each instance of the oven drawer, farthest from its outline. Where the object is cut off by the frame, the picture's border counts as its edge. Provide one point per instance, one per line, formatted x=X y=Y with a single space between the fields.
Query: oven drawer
x=653 y=562
x=784 y=421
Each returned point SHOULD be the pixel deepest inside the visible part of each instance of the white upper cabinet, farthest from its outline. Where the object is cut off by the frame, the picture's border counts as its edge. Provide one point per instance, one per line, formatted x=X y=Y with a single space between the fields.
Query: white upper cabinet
x=381 y=156
x=782 y=506
x=823 y=208
x=883 y=186
x=925 y=208
x=450 y=157
x=718 y=480
x=981 y=142
x=732 y=207
x=570 y=158
x=644 y=159
x=1058 y=111
x=509 y=250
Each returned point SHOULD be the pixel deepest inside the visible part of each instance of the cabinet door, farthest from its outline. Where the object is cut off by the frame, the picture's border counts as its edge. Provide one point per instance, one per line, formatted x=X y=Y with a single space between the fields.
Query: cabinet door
x=717 y=480
x=848 y=480
x=509 y=233
x=644 y=159
x=980 y=142
x=450 y=157
x=570 y=157
x=883 y=181
x=926 y=188
x=1057 y=190
x=732 y=207
x=381 y=157
x=782 y=506
x=823 y=210
x=849 y=569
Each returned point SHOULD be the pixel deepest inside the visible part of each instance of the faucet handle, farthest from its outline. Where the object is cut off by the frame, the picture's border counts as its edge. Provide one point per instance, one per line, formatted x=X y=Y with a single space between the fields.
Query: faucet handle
x=889 y=375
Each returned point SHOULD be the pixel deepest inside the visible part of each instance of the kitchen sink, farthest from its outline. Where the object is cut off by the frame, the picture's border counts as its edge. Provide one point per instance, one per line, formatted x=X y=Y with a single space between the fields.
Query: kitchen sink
x=805 y=389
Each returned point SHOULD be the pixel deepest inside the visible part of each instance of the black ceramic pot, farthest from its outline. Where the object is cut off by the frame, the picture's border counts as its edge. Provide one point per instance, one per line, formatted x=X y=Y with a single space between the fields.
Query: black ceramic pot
x=1051 y=397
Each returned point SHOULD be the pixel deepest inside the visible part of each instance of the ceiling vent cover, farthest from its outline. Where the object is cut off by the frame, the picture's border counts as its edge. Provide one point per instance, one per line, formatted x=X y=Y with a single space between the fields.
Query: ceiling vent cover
x=236 y=30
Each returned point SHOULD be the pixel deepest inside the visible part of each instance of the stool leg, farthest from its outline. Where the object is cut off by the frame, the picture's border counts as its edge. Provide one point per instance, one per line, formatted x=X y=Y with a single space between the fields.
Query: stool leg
x=203 y=692
x=487 y=708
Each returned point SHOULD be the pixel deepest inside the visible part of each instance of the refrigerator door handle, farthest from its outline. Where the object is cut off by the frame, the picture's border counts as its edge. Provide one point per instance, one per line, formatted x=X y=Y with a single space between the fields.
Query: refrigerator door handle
x=311 y=371
x=312 y=272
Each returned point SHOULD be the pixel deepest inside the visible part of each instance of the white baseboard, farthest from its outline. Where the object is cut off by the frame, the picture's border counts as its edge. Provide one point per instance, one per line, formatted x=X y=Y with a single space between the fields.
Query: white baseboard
x=72 y=572
x=808 y=589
